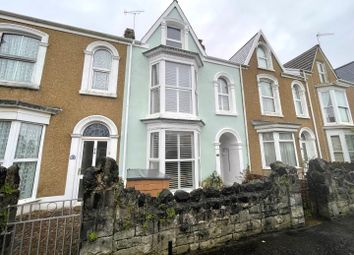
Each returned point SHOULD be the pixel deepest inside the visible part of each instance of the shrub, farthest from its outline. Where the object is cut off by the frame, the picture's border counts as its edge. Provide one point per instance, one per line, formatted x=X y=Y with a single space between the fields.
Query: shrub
x=213 y=181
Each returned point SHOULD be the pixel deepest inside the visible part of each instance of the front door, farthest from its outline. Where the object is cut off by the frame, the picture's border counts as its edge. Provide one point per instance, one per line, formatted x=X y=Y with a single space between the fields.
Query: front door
x=91 y=152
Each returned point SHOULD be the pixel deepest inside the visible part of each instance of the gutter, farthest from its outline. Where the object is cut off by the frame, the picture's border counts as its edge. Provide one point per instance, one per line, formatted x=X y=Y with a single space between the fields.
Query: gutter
x=313 y=116
x=125 y=135
x=245 y=120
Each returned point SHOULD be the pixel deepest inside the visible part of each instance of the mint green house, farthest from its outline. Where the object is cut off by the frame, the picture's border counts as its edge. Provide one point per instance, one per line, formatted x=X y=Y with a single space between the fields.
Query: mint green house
x=184 y=111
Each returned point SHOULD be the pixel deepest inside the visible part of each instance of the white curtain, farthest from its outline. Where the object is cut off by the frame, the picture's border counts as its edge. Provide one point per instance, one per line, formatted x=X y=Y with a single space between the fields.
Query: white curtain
x=20 y=47
x=28 y=141
x=287 y=152
x=102 y=65
x=4 y=136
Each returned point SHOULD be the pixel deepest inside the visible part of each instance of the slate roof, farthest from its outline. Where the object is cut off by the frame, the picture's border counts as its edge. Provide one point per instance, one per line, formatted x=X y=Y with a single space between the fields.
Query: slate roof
x=304 y=61
x=346 y=72
x=241 y=55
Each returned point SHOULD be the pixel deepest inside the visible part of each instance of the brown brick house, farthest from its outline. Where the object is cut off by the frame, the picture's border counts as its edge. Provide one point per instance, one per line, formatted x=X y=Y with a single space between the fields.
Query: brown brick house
x=333 y=104
x=61 y=96
x=278 y=108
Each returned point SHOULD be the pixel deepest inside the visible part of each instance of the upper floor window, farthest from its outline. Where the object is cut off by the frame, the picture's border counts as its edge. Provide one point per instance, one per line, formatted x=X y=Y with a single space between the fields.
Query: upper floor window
x=335 y=108
x=321 y=68
x=100 y=73
x=224 y=95
x=172 y=88
x=174 y=37
x=299 y=98
x=269 y=96
x=264 y=57
x=22 y=53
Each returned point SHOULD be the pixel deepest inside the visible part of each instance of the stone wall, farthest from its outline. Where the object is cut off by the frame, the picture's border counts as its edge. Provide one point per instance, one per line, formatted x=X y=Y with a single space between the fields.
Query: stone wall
x=125 y=221
x=9 y=195
x=331 y=188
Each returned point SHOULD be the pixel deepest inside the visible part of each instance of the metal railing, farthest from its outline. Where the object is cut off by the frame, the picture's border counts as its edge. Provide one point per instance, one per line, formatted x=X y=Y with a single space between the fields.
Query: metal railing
x=42 y=228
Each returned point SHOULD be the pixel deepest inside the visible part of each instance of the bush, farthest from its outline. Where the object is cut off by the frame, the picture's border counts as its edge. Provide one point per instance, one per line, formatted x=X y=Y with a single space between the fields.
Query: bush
x=213 y=181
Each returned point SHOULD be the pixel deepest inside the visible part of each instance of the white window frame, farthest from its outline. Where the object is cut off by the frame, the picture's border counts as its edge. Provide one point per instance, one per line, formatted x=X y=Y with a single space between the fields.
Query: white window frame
x=162 y=128
x=161 y=60
x=276 y=145
x=268 y=56
x=332 y=95
x=174 y=23
x=322 y=72
x=87 y=75
x=231 y=93
x=311 y=142
x=276 y=95
x=17 y=116
x=302 y=100
x=38 y=64
x=341 y=133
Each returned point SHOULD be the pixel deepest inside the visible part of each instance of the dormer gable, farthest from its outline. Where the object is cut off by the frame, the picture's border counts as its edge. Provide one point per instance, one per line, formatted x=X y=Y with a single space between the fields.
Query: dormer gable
x=260 y=46
x=173 y=29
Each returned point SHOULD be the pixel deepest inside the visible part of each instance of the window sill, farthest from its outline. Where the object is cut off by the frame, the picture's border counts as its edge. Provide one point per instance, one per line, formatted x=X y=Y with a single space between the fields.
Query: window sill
x=302 y=117
x=27 y=201
x=226 y=113
x=24 y=85
x=338 y=125
x=273 y=115
x=99 y=94
x=266 y=69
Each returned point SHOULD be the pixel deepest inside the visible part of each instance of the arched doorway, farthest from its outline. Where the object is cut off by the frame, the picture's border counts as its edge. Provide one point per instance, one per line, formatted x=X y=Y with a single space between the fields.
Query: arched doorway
x=229 y=157
x=93 y=137
x=307 y=145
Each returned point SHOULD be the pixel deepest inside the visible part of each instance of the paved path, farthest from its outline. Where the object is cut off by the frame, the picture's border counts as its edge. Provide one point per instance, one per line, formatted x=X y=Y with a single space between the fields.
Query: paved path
x=334 y=237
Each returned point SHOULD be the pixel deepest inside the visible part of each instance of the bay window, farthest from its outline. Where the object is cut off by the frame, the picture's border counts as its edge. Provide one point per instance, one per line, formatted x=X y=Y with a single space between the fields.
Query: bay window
x=335 y=108
x=173 y=153
x=20 y=144
x=341 y=143
x=278 y=146
x=172 y=89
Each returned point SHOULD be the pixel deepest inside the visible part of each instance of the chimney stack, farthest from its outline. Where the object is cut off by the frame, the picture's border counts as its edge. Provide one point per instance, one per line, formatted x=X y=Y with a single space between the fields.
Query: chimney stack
x=129 y=33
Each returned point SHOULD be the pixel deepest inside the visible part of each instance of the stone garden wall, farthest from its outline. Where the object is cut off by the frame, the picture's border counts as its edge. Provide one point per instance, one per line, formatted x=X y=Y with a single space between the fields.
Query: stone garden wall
x=125 y=221
x=331 y=188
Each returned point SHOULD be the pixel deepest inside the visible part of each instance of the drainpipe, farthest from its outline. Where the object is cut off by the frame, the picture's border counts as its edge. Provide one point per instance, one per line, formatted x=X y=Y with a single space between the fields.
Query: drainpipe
x=130 y=53
x=245 y=120
x=313 y=116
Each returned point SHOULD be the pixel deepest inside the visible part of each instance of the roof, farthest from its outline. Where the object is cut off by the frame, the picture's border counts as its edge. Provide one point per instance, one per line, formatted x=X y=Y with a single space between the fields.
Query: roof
x=346 y=72
x=157 y=23
x=304 y=61
x=60 y=27
x=241 y=55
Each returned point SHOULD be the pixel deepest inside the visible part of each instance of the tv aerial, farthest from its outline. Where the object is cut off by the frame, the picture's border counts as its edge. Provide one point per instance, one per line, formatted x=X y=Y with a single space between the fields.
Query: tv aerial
x=318 y=35
x=134 y=13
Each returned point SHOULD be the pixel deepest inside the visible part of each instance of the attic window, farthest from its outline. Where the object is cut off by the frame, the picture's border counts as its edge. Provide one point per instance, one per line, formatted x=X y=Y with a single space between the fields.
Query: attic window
x=174 y=37
x=263 y=57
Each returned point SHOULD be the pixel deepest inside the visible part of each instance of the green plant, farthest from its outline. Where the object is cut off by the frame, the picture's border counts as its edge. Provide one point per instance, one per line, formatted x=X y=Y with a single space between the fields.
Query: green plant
x=213 y=181
x=7 y=189
x=92 y=236
x=171 y=213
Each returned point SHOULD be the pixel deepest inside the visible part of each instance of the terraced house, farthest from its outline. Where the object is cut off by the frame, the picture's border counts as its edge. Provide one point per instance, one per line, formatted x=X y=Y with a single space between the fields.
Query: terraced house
x=61 y=95
x=183 y=109
x=280 y=119
x=333 y=104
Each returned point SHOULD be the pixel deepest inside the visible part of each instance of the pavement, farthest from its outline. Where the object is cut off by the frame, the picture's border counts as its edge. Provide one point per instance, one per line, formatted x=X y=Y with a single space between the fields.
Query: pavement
x=335 y=237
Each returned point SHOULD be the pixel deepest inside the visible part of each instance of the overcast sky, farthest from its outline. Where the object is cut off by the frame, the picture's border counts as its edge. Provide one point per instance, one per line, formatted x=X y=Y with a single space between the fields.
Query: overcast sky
x=224 y=25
